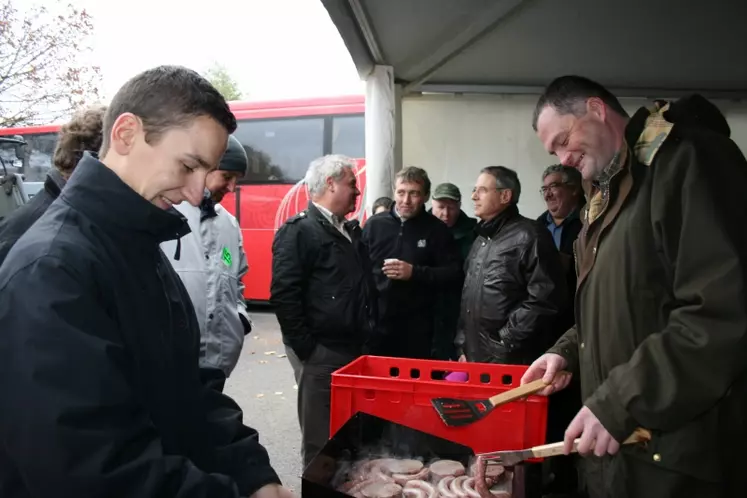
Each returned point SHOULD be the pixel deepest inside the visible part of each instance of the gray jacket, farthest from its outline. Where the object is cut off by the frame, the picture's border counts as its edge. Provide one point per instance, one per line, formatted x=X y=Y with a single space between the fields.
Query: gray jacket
x=212 y=264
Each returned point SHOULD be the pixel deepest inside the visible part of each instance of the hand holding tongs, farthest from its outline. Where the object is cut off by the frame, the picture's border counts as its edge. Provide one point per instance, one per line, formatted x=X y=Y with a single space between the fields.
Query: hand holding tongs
x=510 y=458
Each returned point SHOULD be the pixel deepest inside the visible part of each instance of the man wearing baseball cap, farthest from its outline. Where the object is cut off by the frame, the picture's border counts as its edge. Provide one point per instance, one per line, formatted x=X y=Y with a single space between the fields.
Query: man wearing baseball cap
x=211 y=262
x=447 y=206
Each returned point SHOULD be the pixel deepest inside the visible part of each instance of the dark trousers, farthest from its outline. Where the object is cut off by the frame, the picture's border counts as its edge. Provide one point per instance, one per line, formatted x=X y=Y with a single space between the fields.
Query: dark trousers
x=408 y=336
x=561 y=472
x=314 y=379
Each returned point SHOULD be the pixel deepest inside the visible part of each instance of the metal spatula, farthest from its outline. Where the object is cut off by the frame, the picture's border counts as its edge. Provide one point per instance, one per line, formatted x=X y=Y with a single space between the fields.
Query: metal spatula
x=510 y=458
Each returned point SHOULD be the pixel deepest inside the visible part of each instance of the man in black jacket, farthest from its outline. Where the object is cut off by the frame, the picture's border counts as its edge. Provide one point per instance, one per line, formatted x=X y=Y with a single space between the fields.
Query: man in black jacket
x=100 y=389
x=321 y=293
x=564 y=196
x=414 y=259
x=82 y=133
x=514 y=287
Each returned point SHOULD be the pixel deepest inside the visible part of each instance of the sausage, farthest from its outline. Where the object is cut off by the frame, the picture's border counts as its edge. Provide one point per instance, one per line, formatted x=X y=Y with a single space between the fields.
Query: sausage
x=358 y=486
x=446 y=468
x=402 y=479
x=425 y=490
x=457 y=486
x=414 y=493
x=381 y=489
x=407 y=466
x=492 y=470
x=469 y=488
x=444 y=487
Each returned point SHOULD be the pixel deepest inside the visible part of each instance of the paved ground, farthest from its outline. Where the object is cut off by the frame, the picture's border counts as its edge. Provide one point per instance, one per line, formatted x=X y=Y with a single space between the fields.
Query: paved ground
x=262 y=384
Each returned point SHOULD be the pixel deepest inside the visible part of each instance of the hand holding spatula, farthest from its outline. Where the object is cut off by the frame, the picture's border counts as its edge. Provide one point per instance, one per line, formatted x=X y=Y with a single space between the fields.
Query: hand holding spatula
x=460 y=412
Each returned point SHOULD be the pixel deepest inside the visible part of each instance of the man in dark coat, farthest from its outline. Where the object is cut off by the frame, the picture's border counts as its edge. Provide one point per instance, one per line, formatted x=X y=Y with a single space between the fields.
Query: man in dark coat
x=322 y=292
x=660 y=340
x=447 y=207
x=100 y=388
x=82 y=133
x=414 y=258
x=514 y=289
x=563 y=194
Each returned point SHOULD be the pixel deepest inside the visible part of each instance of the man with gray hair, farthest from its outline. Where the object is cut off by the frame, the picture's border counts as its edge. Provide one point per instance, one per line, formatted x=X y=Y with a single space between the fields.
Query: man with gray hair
x=563 y=194
x=321 y=292
x=514 y=287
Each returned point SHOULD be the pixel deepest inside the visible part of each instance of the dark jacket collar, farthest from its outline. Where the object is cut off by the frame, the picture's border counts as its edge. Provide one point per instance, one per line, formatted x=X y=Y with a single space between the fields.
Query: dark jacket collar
x=54 y=183
x=314 y=212
x=464 y=225
x=418 y=216
x=491 y=227
x=98 y=193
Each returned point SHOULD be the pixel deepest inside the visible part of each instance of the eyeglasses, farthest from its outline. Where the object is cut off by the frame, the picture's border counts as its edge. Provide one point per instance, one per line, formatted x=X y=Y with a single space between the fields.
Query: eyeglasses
x=553 y=186
x=484 y=190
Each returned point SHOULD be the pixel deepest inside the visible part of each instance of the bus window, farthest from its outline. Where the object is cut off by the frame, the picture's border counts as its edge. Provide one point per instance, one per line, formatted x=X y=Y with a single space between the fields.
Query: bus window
x=39 y=153
x=280 y=150
x=348 y=134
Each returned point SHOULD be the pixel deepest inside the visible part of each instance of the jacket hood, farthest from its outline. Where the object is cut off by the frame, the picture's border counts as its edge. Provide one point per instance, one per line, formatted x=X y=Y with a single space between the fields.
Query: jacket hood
x=696 y=111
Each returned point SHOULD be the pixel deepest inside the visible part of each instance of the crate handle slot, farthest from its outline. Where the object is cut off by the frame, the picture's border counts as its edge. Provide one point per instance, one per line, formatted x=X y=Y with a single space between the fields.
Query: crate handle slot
x=507 y=380
x=485 y=378
x=394 y=372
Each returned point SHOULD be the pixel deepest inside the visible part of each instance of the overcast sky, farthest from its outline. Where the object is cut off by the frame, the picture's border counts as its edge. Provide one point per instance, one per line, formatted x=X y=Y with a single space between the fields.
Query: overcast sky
x=275 y=49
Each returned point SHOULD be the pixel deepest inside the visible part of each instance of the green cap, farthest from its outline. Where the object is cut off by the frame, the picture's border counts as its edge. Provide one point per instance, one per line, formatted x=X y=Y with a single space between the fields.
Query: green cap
x=447 y=191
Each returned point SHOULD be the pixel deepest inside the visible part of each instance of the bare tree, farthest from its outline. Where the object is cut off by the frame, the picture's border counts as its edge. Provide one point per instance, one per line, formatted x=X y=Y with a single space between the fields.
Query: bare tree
x=223 y=82
x=41 y=76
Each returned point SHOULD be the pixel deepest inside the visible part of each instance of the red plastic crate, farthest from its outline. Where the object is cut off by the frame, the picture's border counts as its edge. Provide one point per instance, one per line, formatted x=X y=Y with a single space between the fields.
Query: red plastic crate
x=401 y=390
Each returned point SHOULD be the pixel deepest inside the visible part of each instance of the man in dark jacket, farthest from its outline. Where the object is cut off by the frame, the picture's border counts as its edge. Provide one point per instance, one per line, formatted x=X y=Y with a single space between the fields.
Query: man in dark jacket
x=447 y=207
x=100 y=389
x=321 y=290
x=82 y=133
x=414 y=258
x=514 y=287
x=564 y=196
x=660 y=339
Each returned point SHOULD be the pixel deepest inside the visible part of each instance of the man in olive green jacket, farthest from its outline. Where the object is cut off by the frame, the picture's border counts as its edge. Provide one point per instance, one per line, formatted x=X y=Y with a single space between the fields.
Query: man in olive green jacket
x=660 y=340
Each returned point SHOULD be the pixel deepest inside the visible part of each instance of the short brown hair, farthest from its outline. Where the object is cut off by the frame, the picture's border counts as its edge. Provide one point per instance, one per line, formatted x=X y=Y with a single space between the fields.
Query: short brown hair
x=413 y=174
x=167 y=97
x=82 y=133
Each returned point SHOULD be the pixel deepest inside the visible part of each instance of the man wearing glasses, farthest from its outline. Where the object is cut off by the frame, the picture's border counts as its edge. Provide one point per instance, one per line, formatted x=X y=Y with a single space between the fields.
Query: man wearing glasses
x=563 y=194
x=514 y=285
x=514 y=289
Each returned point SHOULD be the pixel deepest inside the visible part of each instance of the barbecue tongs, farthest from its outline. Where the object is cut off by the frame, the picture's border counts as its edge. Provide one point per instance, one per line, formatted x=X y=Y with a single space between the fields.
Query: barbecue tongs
x=510 y=458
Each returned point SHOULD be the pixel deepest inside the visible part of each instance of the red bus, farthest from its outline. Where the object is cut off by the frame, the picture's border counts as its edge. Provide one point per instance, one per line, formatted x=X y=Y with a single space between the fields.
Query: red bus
x=281 y=138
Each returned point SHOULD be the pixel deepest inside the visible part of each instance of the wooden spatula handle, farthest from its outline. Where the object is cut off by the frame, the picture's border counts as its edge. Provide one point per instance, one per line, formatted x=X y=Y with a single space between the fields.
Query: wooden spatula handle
x=554 y=449
x=520 y=392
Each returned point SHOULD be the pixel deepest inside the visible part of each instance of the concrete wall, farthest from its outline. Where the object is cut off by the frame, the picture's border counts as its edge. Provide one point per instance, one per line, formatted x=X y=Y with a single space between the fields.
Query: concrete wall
x=452 y=137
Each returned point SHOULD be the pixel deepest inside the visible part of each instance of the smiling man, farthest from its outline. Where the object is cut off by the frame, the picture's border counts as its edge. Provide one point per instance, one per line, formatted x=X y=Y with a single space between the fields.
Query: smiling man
x=415 y=258
x=100 y=391
x=661 y=324
x=211 y=262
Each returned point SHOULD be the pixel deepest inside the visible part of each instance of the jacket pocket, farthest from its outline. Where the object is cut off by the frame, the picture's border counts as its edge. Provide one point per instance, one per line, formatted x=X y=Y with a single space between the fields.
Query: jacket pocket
x=693 y=450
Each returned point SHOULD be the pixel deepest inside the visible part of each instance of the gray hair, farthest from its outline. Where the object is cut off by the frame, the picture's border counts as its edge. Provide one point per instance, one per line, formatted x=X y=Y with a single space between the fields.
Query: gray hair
x=413 y=174
x=329 y=166
x=505 y=178
x=568 y=175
